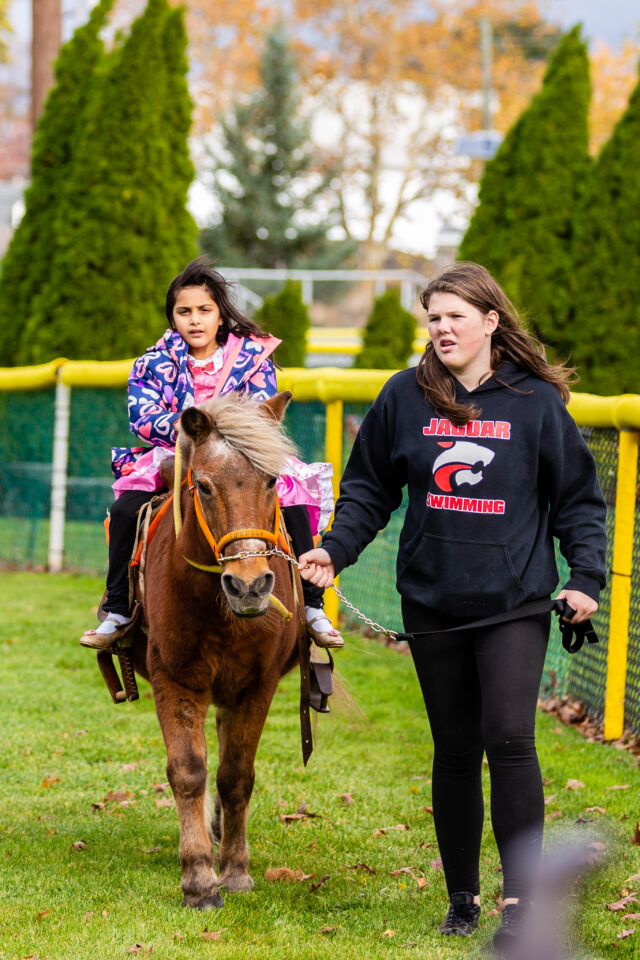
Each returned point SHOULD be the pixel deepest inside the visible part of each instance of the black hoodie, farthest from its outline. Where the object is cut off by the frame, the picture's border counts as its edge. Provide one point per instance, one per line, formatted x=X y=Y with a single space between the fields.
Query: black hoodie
x=485 y=499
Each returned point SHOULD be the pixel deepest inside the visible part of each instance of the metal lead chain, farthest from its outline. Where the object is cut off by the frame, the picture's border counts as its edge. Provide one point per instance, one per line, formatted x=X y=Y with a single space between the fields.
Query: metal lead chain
x=276 y=552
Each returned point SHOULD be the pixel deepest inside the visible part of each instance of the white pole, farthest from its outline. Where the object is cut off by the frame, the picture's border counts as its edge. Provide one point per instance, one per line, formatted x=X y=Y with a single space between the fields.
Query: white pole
x=406 y=294
x=307 y=290
x=59 y=477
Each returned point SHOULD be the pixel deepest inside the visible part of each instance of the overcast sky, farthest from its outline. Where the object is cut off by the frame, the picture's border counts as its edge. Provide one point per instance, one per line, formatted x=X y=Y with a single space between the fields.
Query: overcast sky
x=608 y=20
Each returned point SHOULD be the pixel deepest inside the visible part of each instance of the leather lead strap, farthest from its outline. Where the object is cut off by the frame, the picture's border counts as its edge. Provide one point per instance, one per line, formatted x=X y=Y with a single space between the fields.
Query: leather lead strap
x=573 y=634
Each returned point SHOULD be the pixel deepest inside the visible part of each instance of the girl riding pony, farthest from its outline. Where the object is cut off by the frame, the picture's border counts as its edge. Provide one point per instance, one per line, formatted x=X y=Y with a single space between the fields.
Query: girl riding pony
x=210 y=349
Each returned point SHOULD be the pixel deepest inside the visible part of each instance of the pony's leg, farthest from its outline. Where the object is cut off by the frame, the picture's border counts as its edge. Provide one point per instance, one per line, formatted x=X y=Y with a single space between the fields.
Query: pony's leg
x=181 y=713
x=216 y=823
x=239 y=732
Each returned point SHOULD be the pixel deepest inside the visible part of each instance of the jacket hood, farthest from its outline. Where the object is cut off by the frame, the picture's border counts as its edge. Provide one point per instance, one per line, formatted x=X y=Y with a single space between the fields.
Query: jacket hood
x=508 y=374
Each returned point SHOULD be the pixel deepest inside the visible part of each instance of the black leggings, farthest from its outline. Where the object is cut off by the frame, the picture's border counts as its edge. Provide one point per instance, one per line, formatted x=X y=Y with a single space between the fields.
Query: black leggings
x=480 y=688
x=122 y=534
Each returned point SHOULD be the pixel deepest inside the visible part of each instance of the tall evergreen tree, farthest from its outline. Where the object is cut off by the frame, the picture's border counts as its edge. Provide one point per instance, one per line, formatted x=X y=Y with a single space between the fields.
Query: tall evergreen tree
x=606 y=285
x=27 y=262
x=387 y=339
x=123 y=230
x=522 y=228
x=275 y=210
x=285 y=315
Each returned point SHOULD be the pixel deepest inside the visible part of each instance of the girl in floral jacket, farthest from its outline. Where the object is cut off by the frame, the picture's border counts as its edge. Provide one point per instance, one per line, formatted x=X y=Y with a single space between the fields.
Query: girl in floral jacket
x=210 y=349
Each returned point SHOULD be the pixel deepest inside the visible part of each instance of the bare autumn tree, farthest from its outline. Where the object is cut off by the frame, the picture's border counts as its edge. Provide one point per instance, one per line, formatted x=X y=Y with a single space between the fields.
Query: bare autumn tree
x=45 y=43
x=394 y=89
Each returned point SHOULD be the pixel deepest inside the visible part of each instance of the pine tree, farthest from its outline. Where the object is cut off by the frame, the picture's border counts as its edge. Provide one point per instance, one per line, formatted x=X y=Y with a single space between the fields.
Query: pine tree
x=27 y=262
x=285 y=315
x=387 y=341
x=606 y=285
x=522 y=228
x=123 y=228
x=275 y=211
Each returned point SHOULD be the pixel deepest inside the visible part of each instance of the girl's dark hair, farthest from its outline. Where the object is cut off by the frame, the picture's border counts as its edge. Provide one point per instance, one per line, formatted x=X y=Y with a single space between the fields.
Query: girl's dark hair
x=510 y=341
x=200 y=273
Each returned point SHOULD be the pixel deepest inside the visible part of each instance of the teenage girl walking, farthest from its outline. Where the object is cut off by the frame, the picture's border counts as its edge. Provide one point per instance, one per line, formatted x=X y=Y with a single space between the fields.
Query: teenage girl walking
x=210 y=349
x=495 y=468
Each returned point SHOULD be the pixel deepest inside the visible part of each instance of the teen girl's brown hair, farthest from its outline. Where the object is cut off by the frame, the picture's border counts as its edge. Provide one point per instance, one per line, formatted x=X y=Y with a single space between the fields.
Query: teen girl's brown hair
x=510 y=341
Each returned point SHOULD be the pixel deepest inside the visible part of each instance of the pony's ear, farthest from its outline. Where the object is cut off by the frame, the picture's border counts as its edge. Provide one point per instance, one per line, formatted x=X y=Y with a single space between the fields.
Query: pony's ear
x=277 y=405
x=196 y=424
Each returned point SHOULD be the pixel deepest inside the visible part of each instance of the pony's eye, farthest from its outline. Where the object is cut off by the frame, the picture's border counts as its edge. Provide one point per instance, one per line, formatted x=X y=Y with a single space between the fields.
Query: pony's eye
x=271 y=482
x=204 y=487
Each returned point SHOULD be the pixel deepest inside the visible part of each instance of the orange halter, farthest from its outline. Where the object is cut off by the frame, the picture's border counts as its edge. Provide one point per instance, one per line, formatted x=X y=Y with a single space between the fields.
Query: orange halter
x=246 y=533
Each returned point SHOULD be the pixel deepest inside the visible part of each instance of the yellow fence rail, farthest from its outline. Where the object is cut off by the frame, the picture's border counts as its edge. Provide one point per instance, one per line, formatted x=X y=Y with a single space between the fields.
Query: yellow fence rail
x=333 y=387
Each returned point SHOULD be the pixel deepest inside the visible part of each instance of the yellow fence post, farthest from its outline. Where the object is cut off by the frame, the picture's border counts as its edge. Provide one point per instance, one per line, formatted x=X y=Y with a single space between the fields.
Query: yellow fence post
x=333 y=453
x=621 y=584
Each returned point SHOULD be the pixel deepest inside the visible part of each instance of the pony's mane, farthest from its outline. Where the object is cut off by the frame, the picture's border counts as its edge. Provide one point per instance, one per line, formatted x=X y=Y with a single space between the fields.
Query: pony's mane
x=251 y=429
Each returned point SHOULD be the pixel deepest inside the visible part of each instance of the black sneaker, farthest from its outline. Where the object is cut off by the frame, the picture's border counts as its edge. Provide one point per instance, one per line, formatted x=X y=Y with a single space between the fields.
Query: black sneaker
x=462 y=917
x=513 y=921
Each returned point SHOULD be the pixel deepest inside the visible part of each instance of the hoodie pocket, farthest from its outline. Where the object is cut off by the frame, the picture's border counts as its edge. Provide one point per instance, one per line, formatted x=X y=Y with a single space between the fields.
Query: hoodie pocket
x=462 y=577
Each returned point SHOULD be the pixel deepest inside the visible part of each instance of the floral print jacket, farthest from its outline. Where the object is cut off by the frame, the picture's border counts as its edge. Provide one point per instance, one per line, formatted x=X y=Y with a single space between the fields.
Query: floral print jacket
x=160 y=387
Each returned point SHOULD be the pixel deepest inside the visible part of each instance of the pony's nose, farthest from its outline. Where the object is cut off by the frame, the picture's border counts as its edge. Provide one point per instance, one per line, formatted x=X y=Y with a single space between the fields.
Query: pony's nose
x=238 y=589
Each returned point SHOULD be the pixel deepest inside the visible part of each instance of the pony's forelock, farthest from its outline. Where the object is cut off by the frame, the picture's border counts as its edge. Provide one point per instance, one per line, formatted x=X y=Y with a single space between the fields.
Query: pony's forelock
x=252 y=430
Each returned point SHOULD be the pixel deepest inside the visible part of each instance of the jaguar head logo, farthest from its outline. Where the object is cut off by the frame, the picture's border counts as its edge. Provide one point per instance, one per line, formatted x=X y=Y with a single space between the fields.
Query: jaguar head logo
x=460 y=462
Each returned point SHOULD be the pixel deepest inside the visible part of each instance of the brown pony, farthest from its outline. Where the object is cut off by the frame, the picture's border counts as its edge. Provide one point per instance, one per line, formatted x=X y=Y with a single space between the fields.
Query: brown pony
x=216 y=638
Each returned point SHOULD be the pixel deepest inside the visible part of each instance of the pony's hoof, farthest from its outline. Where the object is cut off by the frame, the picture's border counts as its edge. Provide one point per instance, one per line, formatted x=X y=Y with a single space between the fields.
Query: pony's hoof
x=238 y=883
x=213 y=901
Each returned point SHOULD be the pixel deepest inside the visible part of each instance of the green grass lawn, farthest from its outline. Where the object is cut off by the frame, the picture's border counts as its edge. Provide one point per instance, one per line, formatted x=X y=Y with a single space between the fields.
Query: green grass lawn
x=67 y=747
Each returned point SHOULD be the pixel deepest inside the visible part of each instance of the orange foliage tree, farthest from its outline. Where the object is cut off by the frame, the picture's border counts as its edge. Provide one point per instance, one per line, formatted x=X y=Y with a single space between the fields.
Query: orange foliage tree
x=394 y=85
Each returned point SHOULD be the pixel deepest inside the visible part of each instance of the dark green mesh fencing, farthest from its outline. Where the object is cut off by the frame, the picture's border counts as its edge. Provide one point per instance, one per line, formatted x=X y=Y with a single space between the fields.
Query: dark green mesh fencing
x=98 y=420
x=26 y=448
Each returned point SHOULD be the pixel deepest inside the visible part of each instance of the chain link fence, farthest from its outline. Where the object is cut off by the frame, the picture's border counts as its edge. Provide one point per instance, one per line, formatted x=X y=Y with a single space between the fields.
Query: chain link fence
x=98 y=420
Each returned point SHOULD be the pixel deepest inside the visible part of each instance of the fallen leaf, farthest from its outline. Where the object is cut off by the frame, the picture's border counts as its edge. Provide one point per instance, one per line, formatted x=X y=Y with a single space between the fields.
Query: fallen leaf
x=284 y=873
x=631 y=916
x=551 y=797
x=88 y=915
x=98 y=805
x=117 y=796
x=128 y=767
x=43 y=913
x=635 y=836
x=302 y=813
x=80 y=733
x=150 y=850
x=136 y=948
x=420 y=879
x=388 y=933
x=624 y=934
x=78 y=845
x=49 y=781
x=619 y=786
x=574 y=785
x=621 y=904
x=347 y=798
x=636 y=876
x=160 y=787
x=211 y=934
x=321 y=883
x=327 y=930
x=165 y=802
x=428 y=810
x=436 y=864
x=383 y=830
x=595 y=809
x=362 y=866
x=127 y=803
x=554 y=815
